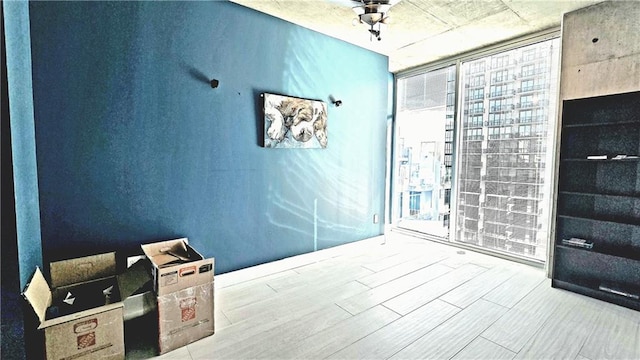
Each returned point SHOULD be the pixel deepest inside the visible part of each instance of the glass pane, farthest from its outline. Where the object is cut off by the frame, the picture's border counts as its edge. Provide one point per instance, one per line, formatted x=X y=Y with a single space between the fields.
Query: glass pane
x=424 y=152
x=506 y=148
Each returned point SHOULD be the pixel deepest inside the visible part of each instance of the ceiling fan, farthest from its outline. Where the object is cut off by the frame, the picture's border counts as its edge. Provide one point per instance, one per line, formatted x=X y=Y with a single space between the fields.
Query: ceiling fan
x=373 y=13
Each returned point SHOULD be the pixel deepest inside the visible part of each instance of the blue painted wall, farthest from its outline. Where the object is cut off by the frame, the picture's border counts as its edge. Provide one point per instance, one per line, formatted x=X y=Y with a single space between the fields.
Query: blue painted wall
x=23 y=144
x=134 y=146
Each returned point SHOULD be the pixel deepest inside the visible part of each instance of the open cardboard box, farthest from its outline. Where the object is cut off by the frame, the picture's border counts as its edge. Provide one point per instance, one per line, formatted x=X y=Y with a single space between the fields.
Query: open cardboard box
x=185 y=316
x=175 y=266
x=81 y=314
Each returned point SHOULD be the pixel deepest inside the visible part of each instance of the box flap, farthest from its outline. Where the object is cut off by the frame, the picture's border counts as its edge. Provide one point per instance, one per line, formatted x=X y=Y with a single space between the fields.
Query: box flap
x=72 y=271
x=38 y=294
x=133 y=279
x=165 y=252
x=163 y=259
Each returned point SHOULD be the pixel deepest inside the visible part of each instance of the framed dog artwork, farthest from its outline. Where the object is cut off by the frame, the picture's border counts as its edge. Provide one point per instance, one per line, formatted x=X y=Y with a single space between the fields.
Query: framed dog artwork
x=291 y=122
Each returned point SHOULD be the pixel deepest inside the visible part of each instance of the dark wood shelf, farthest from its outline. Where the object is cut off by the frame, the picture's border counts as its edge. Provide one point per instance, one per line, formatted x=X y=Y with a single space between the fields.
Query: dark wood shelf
x=616 y=252
x=601 y=160
x=583 y=265
x=594 y=192
x=603 y=219
x=602 y=124
x=588 y=206
x=591 y=290
x=586 y=193
x=599 y=199
x=610 y=177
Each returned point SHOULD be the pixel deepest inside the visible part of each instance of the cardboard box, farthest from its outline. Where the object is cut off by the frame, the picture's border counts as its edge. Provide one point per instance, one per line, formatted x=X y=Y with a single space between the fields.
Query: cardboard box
x=177 y=266
x=185 y=316
x=142 y=299
x=81 y=314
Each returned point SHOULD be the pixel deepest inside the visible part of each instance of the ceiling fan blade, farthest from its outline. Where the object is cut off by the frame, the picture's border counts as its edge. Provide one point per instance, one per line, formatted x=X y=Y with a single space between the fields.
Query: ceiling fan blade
x=354 y=3
x=347 y=3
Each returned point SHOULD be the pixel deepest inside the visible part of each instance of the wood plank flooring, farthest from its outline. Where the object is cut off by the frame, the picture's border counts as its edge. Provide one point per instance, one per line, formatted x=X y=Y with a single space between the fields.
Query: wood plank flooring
x=407 y=299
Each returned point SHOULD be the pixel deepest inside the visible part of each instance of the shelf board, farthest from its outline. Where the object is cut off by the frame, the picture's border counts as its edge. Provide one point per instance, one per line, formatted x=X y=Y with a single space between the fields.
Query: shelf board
x=596 y=293
x=596 y=194
x=605 y=220
x=623 y=255
x=602 y=196
x=596 y=124
x=600 y=160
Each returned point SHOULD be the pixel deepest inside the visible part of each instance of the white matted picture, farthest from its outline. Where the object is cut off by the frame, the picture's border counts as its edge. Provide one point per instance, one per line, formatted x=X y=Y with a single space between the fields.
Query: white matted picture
x=291 y=122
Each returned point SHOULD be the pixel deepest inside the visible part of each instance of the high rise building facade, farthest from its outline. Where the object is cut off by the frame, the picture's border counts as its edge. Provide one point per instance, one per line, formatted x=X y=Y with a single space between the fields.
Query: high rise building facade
x=505 y=151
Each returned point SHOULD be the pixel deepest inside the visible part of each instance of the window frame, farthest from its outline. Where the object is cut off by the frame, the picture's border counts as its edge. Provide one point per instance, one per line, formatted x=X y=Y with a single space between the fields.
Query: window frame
x=457 y=60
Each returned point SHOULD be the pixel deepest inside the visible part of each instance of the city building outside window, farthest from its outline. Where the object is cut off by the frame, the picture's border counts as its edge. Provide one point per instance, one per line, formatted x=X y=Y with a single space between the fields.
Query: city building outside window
x=480 y=176
x=424 y=131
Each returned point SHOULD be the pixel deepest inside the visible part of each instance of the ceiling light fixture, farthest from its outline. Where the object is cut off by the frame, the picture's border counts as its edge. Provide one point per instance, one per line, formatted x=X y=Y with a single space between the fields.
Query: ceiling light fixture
x=374 y=13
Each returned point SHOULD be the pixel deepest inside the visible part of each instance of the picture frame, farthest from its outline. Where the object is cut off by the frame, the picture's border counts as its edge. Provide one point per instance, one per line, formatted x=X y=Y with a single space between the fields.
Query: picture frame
x=293 y=122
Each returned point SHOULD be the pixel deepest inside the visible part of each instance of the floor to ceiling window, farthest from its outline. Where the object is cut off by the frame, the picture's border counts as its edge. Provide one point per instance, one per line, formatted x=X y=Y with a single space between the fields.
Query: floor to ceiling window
x=507 y=127
x=424 y=152
x=504 y=150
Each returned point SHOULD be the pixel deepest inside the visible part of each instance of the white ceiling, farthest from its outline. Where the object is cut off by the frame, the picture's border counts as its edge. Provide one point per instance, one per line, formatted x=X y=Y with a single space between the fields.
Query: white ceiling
x=423 y=31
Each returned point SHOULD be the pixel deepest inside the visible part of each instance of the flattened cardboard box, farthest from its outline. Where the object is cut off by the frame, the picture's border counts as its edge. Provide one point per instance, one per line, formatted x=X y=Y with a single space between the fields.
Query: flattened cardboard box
x=185 y=316
x=81 y=315
x=177 y=266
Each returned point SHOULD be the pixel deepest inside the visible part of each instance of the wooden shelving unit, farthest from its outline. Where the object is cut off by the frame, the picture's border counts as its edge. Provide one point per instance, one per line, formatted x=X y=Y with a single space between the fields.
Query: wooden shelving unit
x=599 y=200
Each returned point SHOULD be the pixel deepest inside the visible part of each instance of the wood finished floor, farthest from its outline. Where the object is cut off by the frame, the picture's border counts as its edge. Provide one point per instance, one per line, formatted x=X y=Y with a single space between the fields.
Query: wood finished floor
x=408 y=299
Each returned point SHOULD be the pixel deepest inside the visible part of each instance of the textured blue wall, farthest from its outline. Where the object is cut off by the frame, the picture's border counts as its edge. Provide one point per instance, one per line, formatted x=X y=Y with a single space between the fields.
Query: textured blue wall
x=21 y=109
x=133 y=145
